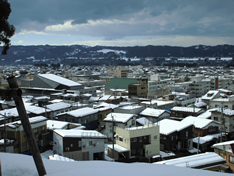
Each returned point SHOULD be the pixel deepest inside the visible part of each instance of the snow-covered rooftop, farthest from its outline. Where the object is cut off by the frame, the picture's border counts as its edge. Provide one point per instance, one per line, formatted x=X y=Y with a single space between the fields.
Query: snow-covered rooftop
x=32 y=120
x=210 y=95
x=36 y=109
x=119 y=117
x=186 y=109
x=82 y=112
x=12 y=165
x=168 y=126
x=198 y=122
x=60 y=79
x=143 y=120
x=55 y=124
x=80 y=133
x=117 y=148
x=58 y=106
x=194 y=160
x=207 y=138
x=153 y=112
x=206 y=114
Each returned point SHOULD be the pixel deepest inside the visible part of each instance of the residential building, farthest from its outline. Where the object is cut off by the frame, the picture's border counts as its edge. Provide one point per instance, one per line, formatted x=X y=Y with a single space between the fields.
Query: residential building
x=225 y=150
x=154 y=115
x=226 y=118
x=206 y=131
x=175 y=136
x=210 y=95
x=183 y=99
x=15 y=132
x=79 y=145
x=88 y=117
x=183 y=112
x=226 y=103
x=129 y=109
x=199 y=86
x=120 y=120
x=142 y=142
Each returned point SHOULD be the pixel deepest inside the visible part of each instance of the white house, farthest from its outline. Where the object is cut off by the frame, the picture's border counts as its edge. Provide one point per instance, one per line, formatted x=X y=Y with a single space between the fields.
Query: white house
x=79 y=144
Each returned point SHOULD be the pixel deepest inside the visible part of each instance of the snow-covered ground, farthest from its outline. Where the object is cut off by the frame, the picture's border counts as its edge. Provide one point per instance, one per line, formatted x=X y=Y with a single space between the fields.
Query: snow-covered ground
x=18 y=164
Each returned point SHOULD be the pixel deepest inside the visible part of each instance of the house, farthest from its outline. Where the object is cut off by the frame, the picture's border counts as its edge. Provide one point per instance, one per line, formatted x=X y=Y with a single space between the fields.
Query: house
x=226 y=118
x=206 y=161
x=10 y=115
x=79 y=145
x=56 y=108
x=206 y=131
x=88 y=117
x=227 y=103
x=129 y=109
x=202 y=127
x=183 y=99
x=182 y=112
x=225 y=150
x=37 y=111
x=167 y=105
x=143 y=142
x=154 y=115
x=175 y=136
x=15 y=132
x=120 y=120
x=210 y=95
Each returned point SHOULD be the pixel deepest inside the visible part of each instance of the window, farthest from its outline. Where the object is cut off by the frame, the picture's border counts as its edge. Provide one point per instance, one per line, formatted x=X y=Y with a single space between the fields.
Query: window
x=42 y=129
x=71 y=145
x=231 y=159
x=121 y=139
x=140 y=139
x=35 y=131
x=216 y=118
x=133 y=139
x=79 y=143
x=155 y=137
x=90 y=143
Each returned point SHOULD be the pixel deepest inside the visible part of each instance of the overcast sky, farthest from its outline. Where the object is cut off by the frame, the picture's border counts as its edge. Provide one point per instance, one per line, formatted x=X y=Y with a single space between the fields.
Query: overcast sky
x=122 y=22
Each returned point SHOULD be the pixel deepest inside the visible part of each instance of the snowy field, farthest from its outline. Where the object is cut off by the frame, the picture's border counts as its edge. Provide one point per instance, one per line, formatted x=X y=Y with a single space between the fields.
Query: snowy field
x=18 y=165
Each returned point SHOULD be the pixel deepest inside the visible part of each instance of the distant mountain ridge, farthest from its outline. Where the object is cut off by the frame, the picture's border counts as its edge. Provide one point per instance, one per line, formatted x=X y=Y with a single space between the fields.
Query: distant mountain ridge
x=22 y=55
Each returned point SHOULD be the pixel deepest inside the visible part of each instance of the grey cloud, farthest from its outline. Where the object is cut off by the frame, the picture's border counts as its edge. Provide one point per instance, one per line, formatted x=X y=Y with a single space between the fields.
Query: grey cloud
x=182 y=17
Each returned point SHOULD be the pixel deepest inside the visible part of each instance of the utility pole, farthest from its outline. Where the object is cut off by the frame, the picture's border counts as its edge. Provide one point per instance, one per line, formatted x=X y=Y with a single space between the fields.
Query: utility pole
x=223 y=127
x=5 y=133
x=26 y=126
x=198 y=141
x=113 y=135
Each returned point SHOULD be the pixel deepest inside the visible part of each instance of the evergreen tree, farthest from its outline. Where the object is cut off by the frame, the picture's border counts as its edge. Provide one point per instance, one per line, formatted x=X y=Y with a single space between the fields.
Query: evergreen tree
x=6 y=30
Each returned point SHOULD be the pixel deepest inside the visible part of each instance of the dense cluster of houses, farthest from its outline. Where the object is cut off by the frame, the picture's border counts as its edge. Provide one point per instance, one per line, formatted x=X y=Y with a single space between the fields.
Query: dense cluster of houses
x=129 y=114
